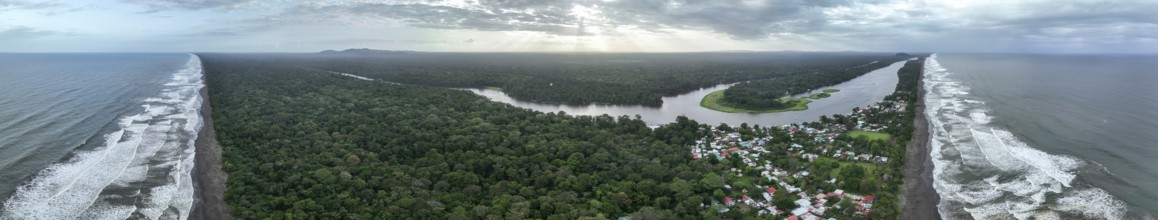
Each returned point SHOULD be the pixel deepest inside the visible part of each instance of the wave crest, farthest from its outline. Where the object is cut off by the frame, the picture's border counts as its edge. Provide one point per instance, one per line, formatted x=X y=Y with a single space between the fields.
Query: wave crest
x=985 y=172
x=143 y=169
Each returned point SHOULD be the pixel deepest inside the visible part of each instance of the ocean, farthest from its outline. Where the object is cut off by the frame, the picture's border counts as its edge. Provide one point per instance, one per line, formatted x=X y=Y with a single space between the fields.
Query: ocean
x=1044 y=136
x=98 y=136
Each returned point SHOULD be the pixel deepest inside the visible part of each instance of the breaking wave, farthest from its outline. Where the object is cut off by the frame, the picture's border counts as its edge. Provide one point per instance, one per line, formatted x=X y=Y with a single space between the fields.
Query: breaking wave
x=142 y=170
x=985 y=172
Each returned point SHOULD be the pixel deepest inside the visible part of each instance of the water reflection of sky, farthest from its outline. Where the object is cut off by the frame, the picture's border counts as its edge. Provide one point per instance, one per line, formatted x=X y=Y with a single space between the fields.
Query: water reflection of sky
x=862 y=91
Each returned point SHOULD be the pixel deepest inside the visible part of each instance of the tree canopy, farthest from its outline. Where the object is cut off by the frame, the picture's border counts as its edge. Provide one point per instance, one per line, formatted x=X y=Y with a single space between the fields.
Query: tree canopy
x=306 y=143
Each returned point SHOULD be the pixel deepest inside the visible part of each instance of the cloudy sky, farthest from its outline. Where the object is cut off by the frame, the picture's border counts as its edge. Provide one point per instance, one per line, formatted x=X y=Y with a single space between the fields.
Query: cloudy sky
x=1032 y=26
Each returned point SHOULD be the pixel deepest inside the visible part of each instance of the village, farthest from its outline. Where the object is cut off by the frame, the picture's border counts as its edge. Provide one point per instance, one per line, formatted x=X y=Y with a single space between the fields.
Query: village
x=815 y=170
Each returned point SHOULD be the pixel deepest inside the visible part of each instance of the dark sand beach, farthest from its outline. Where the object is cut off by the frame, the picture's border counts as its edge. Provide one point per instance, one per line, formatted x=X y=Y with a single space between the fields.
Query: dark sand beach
x=209 y=177
x=919 y=199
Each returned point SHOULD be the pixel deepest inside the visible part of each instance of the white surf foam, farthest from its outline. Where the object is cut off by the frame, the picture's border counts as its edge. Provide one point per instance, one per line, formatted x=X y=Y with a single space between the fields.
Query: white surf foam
x=113 y=181
x=988 y=173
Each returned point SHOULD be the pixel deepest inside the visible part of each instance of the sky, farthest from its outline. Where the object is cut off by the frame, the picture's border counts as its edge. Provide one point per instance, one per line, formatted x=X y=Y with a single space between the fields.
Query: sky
x=1002 y=26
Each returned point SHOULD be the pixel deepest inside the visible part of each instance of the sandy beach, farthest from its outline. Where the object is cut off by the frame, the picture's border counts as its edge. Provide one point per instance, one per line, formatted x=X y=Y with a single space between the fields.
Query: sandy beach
x=919 y=199
x=208 y=176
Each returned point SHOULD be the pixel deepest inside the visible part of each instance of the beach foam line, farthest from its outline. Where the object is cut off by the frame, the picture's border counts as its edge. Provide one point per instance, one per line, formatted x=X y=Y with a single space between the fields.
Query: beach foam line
x=95 y=184
x=985 y=172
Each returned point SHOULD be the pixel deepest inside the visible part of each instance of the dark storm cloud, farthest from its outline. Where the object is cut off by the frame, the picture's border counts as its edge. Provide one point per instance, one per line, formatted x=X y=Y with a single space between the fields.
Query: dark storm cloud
x=886 y=22
x=736 y=18
x=546 y=19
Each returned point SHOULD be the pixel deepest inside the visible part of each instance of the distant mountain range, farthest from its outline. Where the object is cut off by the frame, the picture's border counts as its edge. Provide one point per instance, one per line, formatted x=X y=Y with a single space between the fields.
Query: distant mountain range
x=367 y=51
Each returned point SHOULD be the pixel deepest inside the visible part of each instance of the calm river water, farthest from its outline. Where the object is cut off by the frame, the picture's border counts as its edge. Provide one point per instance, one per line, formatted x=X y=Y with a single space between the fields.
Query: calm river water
x=862 y=91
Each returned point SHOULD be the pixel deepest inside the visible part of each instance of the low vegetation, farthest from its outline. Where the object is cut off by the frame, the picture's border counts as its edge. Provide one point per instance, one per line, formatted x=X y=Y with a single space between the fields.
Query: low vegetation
x=712 y=101
x=869 y=135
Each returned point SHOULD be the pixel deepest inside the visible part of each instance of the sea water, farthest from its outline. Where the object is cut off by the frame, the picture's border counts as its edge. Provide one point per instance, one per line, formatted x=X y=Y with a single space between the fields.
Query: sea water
x=98 y=136
x=1043 y=136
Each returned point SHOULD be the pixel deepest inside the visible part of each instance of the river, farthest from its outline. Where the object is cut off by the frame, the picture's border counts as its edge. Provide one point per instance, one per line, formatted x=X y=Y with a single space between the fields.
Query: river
x=859 y=92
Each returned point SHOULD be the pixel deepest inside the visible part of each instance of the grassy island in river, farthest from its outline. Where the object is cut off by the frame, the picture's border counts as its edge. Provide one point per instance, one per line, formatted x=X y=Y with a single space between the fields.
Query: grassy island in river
x=712 y=101
x=827 y=93
x=770 y=93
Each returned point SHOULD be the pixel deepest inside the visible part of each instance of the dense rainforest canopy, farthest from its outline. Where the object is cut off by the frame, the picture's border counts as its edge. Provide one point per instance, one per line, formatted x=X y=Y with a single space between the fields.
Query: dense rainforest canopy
x=300 y=142
x=585 y=78
x=304 y=143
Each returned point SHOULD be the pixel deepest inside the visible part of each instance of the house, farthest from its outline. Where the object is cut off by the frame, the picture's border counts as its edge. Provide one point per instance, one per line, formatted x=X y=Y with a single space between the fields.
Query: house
x=803 y=202
x=819 y=210
x=728 y=201
x=769 y=192
x=809 y=216
x=883 y=159
x=810 y=157
x=792 y=189
x=854 y=197
x=799 y=211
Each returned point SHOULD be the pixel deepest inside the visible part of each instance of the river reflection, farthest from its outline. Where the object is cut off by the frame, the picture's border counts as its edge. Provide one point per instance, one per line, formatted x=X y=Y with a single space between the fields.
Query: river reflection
x=862 y=91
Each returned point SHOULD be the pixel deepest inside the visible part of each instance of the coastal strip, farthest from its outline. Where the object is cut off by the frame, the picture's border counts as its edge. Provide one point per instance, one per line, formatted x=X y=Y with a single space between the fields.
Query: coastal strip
x=208 y=173
x=919 y=199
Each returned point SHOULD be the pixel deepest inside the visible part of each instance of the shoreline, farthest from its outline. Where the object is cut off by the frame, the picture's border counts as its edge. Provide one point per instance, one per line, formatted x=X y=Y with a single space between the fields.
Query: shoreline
x=208 y=176
x=918 y=198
